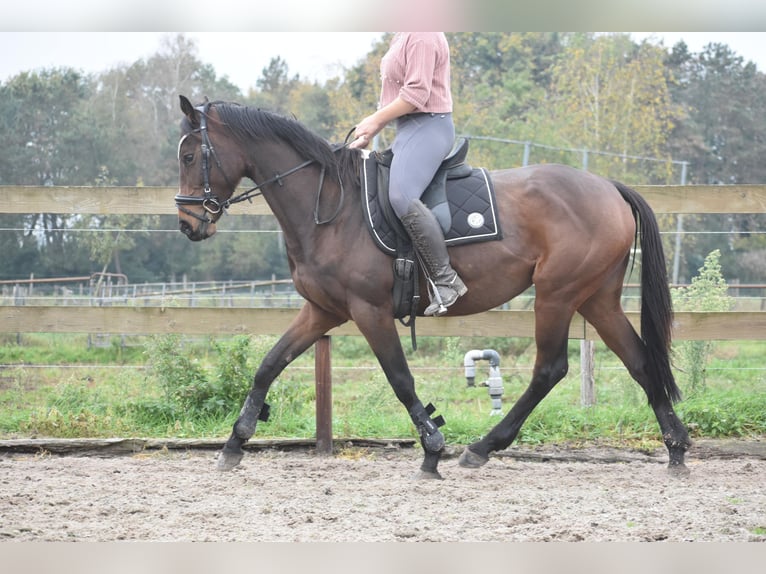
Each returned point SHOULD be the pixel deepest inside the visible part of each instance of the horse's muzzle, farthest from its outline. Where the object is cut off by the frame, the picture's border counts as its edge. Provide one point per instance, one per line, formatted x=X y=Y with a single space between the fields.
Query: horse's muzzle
x=202 y=231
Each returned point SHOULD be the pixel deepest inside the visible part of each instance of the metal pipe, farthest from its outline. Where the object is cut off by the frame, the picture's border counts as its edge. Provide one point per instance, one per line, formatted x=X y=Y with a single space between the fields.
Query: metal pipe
x=470 y=365
x=494 y=382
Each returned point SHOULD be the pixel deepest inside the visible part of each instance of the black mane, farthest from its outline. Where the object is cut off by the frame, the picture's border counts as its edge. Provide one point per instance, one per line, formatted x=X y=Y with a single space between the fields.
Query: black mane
x=248 y=123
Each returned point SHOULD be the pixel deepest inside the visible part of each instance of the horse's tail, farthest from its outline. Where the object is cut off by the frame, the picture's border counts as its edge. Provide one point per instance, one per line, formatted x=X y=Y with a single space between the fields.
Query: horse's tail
x=656 y=304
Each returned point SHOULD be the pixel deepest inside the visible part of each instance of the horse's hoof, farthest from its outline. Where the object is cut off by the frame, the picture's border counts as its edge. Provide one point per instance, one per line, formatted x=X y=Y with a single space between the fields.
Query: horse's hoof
x=678 y=470
x=228 y=460
x=470 y=459
x=427 y=475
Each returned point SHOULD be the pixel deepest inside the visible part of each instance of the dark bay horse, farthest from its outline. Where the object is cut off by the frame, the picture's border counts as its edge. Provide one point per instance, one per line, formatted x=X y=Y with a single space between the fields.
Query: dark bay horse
x=567 y=231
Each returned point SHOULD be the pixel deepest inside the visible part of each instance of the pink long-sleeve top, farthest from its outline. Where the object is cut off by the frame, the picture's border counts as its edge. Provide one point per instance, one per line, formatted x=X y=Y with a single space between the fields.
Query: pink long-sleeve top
x=417 y=68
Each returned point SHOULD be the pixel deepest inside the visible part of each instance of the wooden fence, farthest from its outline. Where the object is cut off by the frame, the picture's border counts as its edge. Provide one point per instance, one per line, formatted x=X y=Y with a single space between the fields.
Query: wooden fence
x=159 y=200
x=220 y=321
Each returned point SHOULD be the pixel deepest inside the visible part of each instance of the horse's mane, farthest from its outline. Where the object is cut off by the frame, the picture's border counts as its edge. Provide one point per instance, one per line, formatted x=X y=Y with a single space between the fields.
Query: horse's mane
x=248 y=123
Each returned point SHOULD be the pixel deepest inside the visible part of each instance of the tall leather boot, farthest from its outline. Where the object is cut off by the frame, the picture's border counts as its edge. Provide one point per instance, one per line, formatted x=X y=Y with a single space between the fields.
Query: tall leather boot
x=427 y=236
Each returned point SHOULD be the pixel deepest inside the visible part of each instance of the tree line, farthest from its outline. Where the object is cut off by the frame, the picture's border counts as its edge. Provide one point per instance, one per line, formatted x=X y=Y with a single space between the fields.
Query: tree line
x=620 y=99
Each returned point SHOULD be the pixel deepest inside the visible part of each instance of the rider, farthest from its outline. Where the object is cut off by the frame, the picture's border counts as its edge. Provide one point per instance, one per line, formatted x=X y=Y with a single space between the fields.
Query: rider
x=415 y=92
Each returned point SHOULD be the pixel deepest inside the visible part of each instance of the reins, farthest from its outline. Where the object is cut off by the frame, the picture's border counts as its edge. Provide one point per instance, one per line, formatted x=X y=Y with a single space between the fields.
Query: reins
x=214 y=206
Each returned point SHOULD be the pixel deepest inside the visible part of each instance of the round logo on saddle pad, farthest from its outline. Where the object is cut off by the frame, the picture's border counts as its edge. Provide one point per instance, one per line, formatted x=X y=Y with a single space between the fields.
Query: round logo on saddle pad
x=475 y=220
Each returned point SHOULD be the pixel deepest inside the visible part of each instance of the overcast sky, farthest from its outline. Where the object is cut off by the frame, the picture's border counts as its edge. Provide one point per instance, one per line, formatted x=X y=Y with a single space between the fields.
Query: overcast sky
x=242 y=55
x=239 y=55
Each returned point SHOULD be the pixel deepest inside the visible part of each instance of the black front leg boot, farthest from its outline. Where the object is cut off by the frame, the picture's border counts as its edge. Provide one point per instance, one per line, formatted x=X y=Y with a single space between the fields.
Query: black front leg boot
x=430 y=435
x=431 y=438
x=254 y=410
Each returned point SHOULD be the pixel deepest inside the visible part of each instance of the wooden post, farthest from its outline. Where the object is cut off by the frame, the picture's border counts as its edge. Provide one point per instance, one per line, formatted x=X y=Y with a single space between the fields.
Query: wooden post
x=322 y=367
x=587 y=389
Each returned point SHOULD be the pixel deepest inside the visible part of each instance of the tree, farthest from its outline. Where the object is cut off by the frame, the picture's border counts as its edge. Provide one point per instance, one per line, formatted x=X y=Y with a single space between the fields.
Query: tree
x=19 y=248
x=725 y=114
x=48 y=140
x=356 y=95
x=106 y=236
x=499 y=81
x=720 y=131
x=611 y=95
x=114 y=128
x=500 y=76
x=572 y=90
x=138 y=106
x=274 y=87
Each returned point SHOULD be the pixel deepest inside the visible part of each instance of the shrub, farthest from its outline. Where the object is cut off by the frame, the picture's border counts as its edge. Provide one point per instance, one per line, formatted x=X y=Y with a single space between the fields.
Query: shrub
x=232 y=375
x=183 y=380
x=191 y=388
x=708 y=292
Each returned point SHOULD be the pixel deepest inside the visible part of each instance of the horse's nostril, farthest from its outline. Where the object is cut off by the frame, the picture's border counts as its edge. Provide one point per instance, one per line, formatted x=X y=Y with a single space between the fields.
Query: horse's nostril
x=189 y=231
x=185 y=228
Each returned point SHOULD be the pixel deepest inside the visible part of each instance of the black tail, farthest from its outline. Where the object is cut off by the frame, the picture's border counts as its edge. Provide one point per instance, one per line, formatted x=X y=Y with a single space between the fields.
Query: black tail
x=656 y=304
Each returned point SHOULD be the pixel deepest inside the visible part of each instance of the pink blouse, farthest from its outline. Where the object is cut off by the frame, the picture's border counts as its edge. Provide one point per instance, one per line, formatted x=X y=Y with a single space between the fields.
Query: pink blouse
x=417 y=68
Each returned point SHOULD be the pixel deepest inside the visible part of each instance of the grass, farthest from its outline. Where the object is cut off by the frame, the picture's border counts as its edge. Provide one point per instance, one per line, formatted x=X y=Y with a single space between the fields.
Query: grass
x=116 y=390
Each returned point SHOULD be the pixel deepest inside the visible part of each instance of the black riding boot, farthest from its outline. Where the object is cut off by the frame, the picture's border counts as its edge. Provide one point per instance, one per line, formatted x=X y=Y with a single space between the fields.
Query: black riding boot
x=426 y=234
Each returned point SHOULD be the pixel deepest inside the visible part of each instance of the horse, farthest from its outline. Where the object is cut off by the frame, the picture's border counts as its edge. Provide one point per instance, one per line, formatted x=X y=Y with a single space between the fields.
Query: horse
x=568 y=232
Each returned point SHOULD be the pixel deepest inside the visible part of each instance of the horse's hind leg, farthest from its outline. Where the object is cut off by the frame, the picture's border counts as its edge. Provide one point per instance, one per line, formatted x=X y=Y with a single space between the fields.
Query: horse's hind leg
x=378 y=327
x=551 y=365
x=307 y=327
x=618 y=334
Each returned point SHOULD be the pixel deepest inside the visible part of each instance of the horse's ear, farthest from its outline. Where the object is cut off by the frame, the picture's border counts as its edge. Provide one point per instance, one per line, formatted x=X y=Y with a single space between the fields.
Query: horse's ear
x=188 y=109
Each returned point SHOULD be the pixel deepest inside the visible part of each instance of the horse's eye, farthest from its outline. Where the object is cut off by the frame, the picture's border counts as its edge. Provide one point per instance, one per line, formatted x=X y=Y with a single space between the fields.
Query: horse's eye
x=188 y=158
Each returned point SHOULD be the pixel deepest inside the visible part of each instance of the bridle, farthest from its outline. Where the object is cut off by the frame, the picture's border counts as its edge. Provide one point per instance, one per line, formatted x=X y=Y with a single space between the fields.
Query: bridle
x=212 y=205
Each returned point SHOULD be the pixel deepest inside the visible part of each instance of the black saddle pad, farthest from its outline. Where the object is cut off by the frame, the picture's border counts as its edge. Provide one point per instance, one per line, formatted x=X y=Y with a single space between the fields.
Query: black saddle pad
x=470 y=211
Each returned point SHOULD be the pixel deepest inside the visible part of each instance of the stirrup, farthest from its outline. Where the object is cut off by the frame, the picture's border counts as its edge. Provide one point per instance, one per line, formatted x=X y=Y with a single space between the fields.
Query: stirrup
x=435 y=309
x=438 y=306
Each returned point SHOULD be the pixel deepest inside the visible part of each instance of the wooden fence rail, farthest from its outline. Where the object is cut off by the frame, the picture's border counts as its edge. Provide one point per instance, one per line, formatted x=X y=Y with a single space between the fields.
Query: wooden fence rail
x=722 y=326
x=159 y=200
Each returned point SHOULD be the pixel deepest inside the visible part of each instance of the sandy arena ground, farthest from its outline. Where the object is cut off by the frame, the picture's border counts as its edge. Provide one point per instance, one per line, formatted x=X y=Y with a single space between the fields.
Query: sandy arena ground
x=368 y=494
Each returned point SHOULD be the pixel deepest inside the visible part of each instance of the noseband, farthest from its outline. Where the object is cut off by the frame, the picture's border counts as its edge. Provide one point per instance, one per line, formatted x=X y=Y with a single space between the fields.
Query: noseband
x=210 y=202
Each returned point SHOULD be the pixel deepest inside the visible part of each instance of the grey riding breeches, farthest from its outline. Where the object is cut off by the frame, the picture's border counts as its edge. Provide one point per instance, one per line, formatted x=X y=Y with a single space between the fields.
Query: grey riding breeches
x=422 y=142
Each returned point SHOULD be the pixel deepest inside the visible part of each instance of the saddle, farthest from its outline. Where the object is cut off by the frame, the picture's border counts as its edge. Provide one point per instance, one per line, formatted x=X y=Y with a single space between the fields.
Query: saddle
x=461 y=198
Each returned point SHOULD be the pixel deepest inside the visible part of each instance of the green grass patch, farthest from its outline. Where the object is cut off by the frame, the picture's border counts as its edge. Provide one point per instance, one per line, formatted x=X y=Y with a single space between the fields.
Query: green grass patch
x=181 y=387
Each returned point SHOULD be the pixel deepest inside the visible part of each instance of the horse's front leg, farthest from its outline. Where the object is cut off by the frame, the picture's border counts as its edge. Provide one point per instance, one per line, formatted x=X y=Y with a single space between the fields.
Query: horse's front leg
x=378 y=327
x=307 y=327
